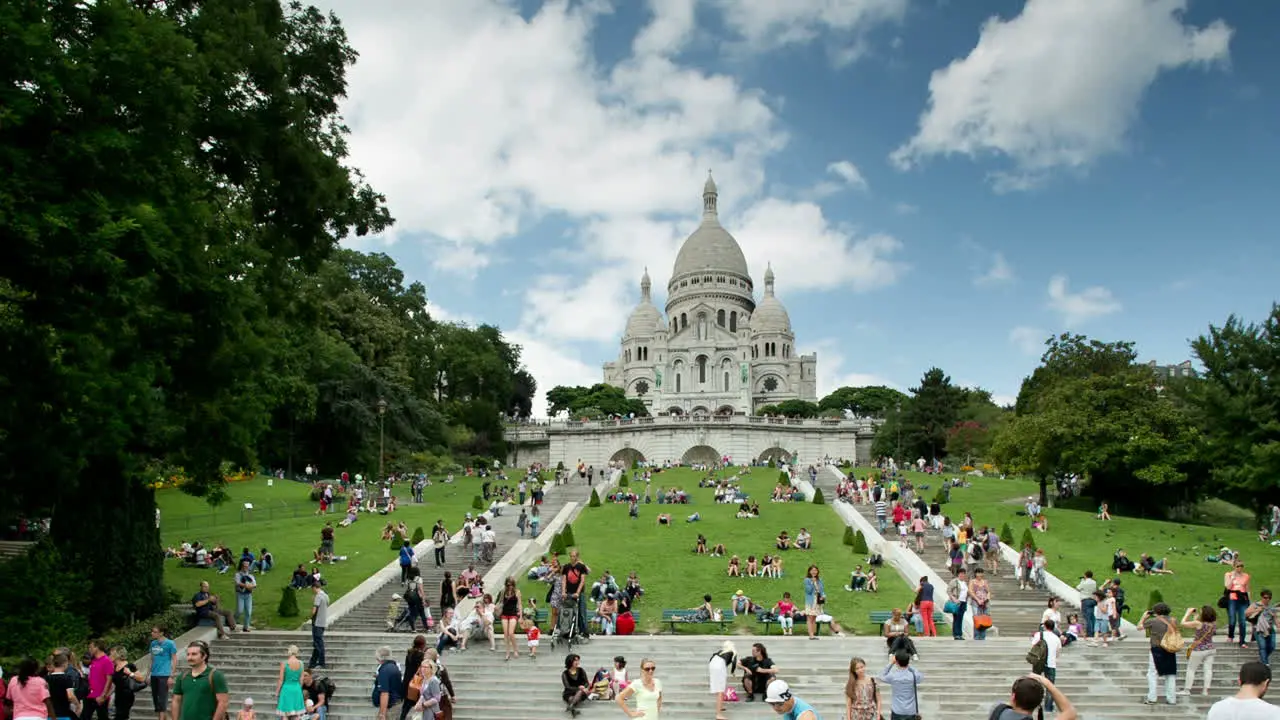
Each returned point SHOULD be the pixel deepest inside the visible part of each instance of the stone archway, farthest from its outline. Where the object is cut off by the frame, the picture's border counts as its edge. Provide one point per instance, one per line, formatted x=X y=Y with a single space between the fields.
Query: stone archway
x=704 y=454
x=776 y=454
x=700 y=410
x=628 y=456
x=724 y=410
x=675 y=410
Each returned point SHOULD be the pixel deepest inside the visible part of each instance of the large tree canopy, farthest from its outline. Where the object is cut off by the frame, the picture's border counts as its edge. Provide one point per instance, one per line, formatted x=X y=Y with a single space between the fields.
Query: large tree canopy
x=173 y=186
x=871 y=401
x=1237 y=405
x=598 y=401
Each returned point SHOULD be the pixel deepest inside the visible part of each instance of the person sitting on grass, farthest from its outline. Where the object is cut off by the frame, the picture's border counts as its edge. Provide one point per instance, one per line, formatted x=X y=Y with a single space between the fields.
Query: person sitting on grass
x=740 y=604
x=873 y=583
x=1148 y=565
x=803 y=540
x=753 y=568
x=775 y=568
x=734 y=569
x=1104 y=512
x=857 y=580
x=744 y=510
x=1121 y=563
x=783 y=542
x=664 y=518
x=717 y=550
x=701 y=547
x=350 y=518
x=388 y=532
x=1040 y=523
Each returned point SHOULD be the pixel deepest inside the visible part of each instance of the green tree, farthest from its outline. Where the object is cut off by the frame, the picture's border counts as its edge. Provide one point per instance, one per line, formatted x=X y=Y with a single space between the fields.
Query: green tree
x=597 y=401
x=288 y=602
x=871 y=401
x=567 y=534
x=797 y=409
x=419 y=535
x=595 y=499
x=848 y=535
x=1234 y=403
x=817 y=497
x=968 y=439
x=1028 y=539
x=1006 y=534
x=860 y=544
x=933 y=410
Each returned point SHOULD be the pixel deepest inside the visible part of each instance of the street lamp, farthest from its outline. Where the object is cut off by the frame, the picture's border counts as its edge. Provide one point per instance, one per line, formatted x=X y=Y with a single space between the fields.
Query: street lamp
x=382 y=439
x=899 y=424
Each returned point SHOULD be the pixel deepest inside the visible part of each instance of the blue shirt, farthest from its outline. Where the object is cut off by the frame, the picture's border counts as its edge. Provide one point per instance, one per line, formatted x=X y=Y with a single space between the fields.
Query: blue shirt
x=798 y=707
x=903 y=681
x=812 y=589
x=162 y=654
x=389 y=682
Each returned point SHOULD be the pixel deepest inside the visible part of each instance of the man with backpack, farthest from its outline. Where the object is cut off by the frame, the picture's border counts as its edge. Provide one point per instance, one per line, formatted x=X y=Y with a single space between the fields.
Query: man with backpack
x=1027 y=694
x=406 y=560
x=1043 y=657
x=201 y=693
x=318 y=691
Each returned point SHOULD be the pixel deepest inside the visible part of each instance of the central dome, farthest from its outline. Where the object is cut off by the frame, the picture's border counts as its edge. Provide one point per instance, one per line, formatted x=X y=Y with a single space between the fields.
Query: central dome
x=710 y=247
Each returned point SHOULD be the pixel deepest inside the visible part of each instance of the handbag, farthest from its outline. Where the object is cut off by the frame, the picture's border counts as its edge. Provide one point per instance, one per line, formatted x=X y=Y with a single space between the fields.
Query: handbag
x=950 y=608
x=1172 y=641
x=415 y=687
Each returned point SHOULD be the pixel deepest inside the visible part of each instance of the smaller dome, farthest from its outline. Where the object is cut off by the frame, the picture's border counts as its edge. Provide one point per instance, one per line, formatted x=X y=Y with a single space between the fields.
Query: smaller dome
x=770 y=317
x=645 y=320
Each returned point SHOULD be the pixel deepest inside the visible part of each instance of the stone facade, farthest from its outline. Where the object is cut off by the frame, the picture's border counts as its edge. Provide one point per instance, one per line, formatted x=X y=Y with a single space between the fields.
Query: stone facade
x=690 y=439
x=716 y=351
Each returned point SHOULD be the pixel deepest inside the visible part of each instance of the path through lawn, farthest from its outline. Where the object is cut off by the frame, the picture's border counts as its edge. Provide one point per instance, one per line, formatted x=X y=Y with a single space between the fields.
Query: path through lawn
x=293 y=540
x=674 y=577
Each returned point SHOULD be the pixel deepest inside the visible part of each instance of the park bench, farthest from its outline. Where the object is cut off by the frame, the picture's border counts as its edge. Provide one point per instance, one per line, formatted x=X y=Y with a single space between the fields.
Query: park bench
x=675 y=617
x=768 y=620
x=595 y=620
x=880 y=617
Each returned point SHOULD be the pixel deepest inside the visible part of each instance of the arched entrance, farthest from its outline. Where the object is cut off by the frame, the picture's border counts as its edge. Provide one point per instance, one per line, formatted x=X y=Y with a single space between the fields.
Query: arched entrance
x=700 y=410
x=628 y=457
x=673 y=410
x=724 y=410
x=704 y=454
x=776 y=454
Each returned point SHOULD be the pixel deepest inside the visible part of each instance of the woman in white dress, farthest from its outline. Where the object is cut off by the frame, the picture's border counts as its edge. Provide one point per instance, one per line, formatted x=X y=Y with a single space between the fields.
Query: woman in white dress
x=718 y=668
x=647 y=691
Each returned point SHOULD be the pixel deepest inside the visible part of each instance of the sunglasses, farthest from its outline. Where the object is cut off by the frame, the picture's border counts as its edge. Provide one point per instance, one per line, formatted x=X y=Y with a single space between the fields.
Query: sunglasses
x=651 y=668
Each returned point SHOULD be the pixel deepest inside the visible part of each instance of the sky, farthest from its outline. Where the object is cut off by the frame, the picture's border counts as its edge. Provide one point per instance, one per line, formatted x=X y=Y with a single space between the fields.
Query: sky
x=935 y=183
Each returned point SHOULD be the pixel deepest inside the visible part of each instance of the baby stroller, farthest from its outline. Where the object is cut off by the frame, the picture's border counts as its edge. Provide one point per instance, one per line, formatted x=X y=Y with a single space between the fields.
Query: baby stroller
x=566 y=629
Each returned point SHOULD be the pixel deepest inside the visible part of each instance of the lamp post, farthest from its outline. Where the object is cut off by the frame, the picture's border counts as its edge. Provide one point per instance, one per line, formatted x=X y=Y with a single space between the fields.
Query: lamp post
x=382 y=439
x=899 y=424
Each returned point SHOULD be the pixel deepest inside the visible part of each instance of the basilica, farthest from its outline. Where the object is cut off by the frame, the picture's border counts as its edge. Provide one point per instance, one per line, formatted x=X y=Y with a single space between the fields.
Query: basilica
x=715 y=351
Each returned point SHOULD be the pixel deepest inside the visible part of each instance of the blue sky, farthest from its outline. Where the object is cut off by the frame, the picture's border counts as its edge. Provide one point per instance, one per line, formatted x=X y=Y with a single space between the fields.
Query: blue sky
x=935 y=183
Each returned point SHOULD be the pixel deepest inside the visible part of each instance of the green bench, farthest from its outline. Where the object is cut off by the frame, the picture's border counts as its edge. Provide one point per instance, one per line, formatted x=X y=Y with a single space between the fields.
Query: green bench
x=674 y=617
x=542 y=616
x=880 y=617
x=768 y=620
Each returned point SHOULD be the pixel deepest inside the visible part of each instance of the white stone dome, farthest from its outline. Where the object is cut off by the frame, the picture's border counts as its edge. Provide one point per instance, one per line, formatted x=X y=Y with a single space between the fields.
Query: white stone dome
x=770 y=316
x=645 y=320
x=710 y=247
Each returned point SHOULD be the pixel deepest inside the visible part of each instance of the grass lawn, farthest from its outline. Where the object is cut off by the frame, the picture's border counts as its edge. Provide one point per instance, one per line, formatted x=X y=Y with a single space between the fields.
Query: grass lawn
x=675 y=578
x=1078 y=541
x=293 y=540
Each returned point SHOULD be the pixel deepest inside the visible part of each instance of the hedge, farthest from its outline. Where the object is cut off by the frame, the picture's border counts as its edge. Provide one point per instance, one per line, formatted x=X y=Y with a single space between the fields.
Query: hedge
x=817 y=497
x=848 y=535
x=1006 y=535
x=567 y=535
x=595 y=499
x=1027 y=539
x=860 y=544
x=418 y=535
x=288 y=602
x=477 y=503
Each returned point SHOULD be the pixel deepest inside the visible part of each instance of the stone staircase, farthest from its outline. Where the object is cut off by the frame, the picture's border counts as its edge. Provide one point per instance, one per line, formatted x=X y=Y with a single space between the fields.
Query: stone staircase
x=1013 y=611
x=962 y=680
x=371 y=615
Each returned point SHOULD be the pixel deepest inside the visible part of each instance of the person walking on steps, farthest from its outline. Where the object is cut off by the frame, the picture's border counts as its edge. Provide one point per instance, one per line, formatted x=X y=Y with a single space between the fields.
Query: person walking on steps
x=1027 y=694
x=790 y=707
x=319 y=621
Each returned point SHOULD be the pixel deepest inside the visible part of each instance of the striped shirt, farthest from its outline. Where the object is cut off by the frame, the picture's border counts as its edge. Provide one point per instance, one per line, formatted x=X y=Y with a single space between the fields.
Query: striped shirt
x=881 y=508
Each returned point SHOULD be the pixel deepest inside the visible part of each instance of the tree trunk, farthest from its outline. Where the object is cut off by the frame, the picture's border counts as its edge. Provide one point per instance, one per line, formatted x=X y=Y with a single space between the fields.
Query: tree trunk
x=1044 y=491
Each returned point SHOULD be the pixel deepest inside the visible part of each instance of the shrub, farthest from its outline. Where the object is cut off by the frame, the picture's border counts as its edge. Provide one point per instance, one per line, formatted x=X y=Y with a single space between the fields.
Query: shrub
x=940 y=497
x=478 y=503
x=136 y=637
x=557 y=544
x=288 y=602
x=772 y=463
x=595 y=499
x=635 y=464
x=317 y=492
x=567 y=535
x=397 y=540
x=419 y=535
x=860 y=544
x=1155 y=598
x=560 y=465
x=784 y=478
x=623 y=481
x=1006 y=535
x=37 y=607
x=1027 y=539
x=848 y=535
x=817 y=497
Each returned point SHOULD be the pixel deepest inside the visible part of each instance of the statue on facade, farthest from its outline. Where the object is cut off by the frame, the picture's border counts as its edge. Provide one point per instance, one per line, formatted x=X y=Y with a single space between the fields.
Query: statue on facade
x=657 y=377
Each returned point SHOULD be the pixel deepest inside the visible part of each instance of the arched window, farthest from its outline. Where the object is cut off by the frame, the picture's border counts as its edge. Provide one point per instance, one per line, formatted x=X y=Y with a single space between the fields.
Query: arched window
x=726 y=381
x=626 y=355
x=733 y=321
x=702 y=369
x=720 y=318
x=677 y=382
x=684 y=321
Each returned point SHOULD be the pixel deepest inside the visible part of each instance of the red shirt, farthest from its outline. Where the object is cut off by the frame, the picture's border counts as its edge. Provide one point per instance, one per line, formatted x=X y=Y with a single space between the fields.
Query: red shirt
x=100 y=671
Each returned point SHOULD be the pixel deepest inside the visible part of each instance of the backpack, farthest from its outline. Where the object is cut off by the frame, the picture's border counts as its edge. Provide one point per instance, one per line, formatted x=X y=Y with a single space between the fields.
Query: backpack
x=82 y=686
x=327 y=687
x=999 y=709
x=977 y=551
x=1172 y=640
x=1038 y=655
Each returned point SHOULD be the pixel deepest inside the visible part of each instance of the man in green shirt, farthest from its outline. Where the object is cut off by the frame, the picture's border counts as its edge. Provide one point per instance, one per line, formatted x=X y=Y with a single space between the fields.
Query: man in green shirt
x=200 y=694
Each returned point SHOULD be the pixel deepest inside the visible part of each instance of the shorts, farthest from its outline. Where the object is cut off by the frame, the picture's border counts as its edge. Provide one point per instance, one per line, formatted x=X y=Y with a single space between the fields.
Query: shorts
x=919 y=535
x=1101 y=626
x=533 y=643
x=510 y=617
x=326 y=546
x=160 y=693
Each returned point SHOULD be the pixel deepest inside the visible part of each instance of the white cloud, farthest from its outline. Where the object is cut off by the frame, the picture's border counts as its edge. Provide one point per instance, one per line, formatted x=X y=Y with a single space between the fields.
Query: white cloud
x=551 y=364
x=1004 y=400
x=1059 y=85
x=903 y=208
x=832 y=374
x=1028 y=340
x=999 y=273
x=772 y=24
x=849 y=173
x=1087 y=304
x=671 y=28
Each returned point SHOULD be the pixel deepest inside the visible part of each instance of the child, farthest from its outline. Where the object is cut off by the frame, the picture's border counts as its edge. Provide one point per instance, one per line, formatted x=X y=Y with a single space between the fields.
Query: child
x=396 y=612
x=784 y=610
x=532 y=634
x=246 y=710
x=1072 y=633
x=902 y=533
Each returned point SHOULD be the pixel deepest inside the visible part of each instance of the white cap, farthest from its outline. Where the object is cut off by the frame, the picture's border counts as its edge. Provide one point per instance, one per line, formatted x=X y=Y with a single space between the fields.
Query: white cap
x=778 y=692
x=248 y=702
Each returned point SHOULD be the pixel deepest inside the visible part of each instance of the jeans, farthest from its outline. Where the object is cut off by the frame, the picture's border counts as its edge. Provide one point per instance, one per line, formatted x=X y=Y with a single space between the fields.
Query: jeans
x=583 y=628
x=1235 y=617
x=522 y=498
x=1170 y=683
x=244 y=608
x=883 y=522
x=533 y=529
x=439 y=556
x=1086 y=611
x=317 y=647
x=1266 y=646
x=92 y=709
x=1051 y=674
x=957 y=620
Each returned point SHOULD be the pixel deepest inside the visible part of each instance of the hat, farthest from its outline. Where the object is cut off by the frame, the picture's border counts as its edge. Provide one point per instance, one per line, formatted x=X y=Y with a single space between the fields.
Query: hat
x=248 y=702
x=778 y=692
x=396 y=596
x=738 y=593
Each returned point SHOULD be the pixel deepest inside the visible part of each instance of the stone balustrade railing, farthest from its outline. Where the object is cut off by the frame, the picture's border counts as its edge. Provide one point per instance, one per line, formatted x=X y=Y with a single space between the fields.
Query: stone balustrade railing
x=533 y=432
